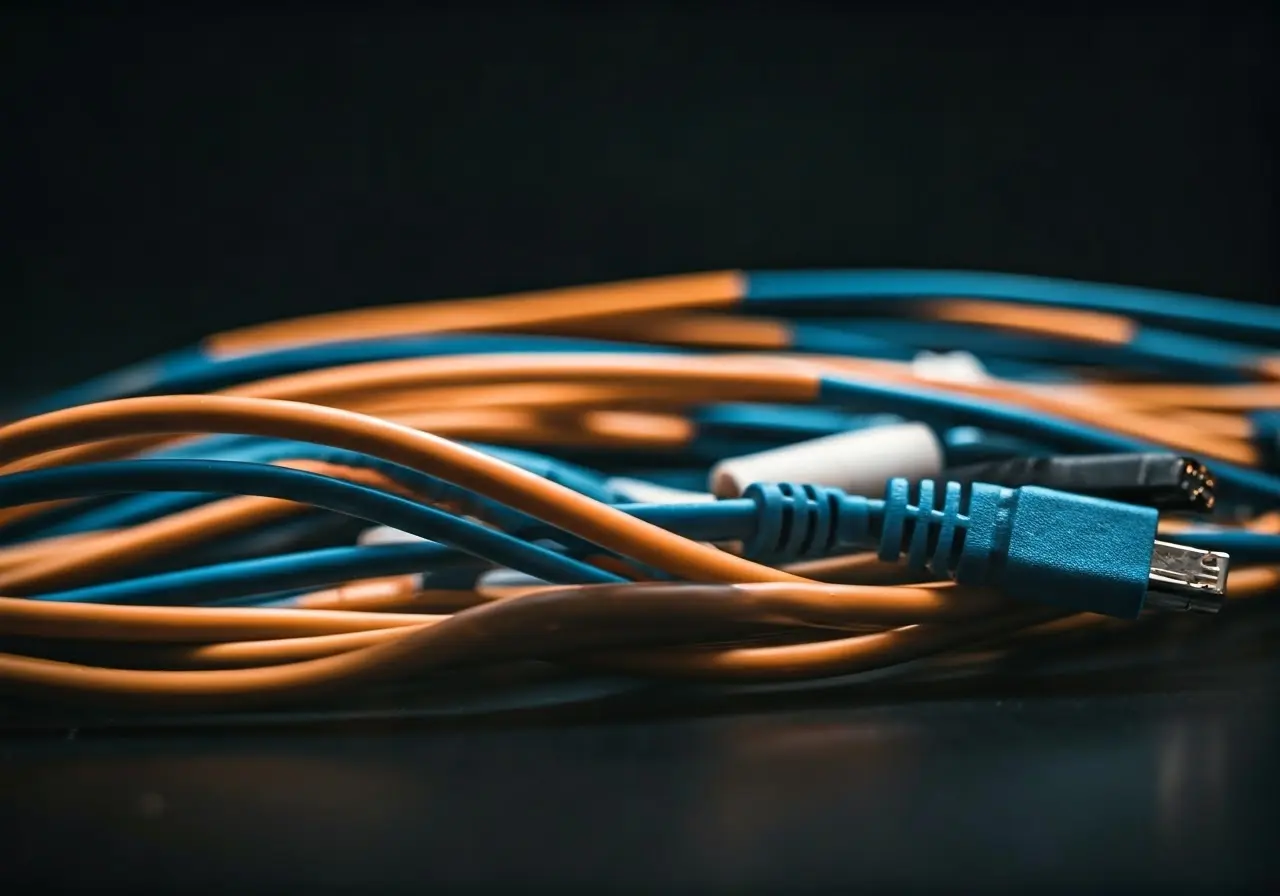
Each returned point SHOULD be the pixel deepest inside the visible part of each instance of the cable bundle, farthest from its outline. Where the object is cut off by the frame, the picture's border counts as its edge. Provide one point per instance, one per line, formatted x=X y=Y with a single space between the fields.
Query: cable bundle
x=710 y=477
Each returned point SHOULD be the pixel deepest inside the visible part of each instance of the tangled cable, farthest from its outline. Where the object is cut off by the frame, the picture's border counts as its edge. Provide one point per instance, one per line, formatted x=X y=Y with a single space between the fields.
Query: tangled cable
x=702 y=477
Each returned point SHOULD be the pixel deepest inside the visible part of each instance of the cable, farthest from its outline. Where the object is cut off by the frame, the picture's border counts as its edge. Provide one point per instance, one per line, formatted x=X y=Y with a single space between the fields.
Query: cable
x=1164 y=481
x=552 y=503
x=196 y=625
x=143 y=508
x=761 y=290
x=689 y=291
x=1019 y=422
x=769 y=290
x=909 y=427
x=504 y=629
x=267 y=576
x=755 y=379
x=170 y=535
x=295 y=485
x=194 y=371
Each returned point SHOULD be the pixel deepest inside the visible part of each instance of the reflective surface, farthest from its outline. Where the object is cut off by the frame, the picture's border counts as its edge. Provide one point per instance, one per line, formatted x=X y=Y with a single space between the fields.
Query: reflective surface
x=1173 y=783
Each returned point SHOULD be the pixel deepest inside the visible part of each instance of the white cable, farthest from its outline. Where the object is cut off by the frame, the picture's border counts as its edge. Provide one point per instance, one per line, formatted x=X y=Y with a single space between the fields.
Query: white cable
x=860 y=462
x=386 y=535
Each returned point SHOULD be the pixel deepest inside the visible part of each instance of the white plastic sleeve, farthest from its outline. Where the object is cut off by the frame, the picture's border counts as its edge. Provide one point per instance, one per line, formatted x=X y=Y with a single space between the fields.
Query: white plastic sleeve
x=860 y=461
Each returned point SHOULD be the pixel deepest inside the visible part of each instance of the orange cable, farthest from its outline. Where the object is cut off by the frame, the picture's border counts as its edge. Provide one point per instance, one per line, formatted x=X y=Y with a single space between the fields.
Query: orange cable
x=111 y=622
x=633 y=298
x=610 y=528
x=424 y=645
x=1066 y=323
x=173 y=532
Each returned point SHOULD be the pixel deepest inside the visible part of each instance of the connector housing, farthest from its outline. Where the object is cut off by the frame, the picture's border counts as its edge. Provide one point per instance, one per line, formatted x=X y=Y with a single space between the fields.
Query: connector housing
x=1077 y=552
x=1165 y=481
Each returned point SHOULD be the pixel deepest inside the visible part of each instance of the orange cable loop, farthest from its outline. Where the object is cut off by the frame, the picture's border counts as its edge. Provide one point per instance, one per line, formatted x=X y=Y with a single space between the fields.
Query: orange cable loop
x=553 y=503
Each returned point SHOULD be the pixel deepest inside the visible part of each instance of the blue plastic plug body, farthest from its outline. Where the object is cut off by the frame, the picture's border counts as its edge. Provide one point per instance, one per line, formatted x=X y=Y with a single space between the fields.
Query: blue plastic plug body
x=1080 y=553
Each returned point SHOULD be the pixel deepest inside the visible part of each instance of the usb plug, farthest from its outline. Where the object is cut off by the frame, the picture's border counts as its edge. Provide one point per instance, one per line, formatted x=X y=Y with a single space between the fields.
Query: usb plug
x=1080 y=553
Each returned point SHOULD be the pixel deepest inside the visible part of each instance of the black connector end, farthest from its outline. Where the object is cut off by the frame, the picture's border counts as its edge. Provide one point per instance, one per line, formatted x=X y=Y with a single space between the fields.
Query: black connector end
x=1196 y=482
x=1168 y=482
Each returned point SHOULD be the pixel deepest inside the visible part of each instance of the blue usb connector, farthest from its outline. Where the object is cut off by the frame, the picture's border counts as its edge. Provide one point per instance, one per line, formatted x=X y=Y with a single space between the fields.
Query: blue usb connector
x=1072 y=551
x=1079 y=553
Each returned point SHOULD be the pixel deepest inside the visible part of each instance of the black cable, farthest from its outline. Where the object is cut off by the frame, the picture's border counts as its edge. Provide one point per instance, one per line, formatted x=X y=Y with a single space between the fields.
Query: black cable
x=1169 y=482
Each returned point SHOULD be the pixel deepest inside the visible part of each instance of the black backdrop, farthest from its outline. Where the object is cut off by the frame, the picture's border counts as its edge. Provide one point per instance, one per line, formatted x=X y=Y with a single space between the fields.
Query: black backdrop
x=175 y=173
x=168 y=174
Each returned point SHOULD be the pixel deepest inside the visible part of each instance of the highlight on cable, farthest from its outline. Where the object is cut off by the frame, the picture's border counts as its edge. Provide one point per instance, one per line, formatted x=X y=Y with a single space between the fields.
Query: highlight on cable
x=733 y=478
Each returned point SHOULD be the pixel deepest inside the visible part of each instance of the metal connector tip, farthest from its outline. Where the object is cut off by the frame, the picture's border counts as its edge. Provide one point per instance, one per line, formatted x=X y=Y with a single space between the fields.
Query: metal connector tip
x=1186 y=579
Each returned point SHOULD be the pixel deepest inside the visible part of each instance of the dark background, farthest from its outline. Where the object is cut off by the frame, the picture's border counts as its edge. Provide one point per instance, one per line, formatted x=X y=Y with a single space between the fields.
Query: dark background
x=174 y=174
x=169 y=174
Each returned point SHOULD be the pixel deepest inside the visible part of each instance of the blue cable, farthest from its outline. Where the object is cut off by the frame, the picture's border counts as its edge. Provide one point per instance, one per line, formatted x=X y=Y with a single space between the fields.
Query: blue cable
x=141 y=508
x=241 y=447
x=1153 y=350
x=142 y=378
x=1034 y=543
x=1006 y=355
x=787 y=423
x=785 y=290
x=228 y=584
x=1075 y=551
x=687 y=479
x=776 y=522
x=192 y=370
x=982 y=342
x=230 y=477
x=970 y=445
x=730 y=430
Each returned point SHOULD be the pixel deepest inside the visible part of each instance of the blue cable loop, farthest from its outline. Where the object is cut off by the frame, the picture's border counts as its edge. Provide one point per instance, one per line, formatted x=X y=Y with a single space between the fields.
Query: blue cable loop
x=264 y=578
x=141 y=508
x=781 y=290
x=193 y=370
x=232 y=477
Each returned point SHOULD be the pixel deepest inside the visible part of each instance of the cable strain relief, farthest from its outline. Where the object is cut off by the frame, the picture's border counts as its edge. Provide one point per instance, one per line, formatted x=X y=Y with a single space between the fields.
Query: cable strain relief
x=857 y=462
x=796 y=521
x=947 y=529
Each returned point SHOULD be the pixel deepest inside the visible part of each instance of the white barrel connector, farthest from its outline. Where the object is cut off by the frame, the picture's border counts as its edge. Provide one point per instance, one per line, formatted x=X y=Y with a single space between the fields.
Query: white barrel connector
x=860 y=461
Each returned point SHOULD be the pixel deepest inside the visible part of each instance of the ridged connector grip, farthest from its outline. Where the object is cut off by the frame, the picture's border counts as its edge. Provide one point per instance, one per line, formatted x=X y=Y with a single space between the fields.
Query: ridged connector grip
x=930 y=535
x=798 y=521
x=1082 y=553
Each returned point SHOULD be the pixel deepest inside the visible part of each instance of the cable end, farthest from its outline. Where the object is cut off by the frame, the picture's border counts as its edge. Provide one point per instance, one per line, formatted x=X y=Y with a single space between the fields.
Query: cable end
x=1197 y=483
x=1186 y=579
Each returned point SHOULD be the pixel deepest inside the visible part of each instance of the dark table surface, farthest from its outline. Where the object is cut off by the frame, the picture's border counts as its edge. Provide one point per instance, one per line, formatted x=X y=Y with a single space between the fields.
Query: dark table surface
x=1116 y=777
